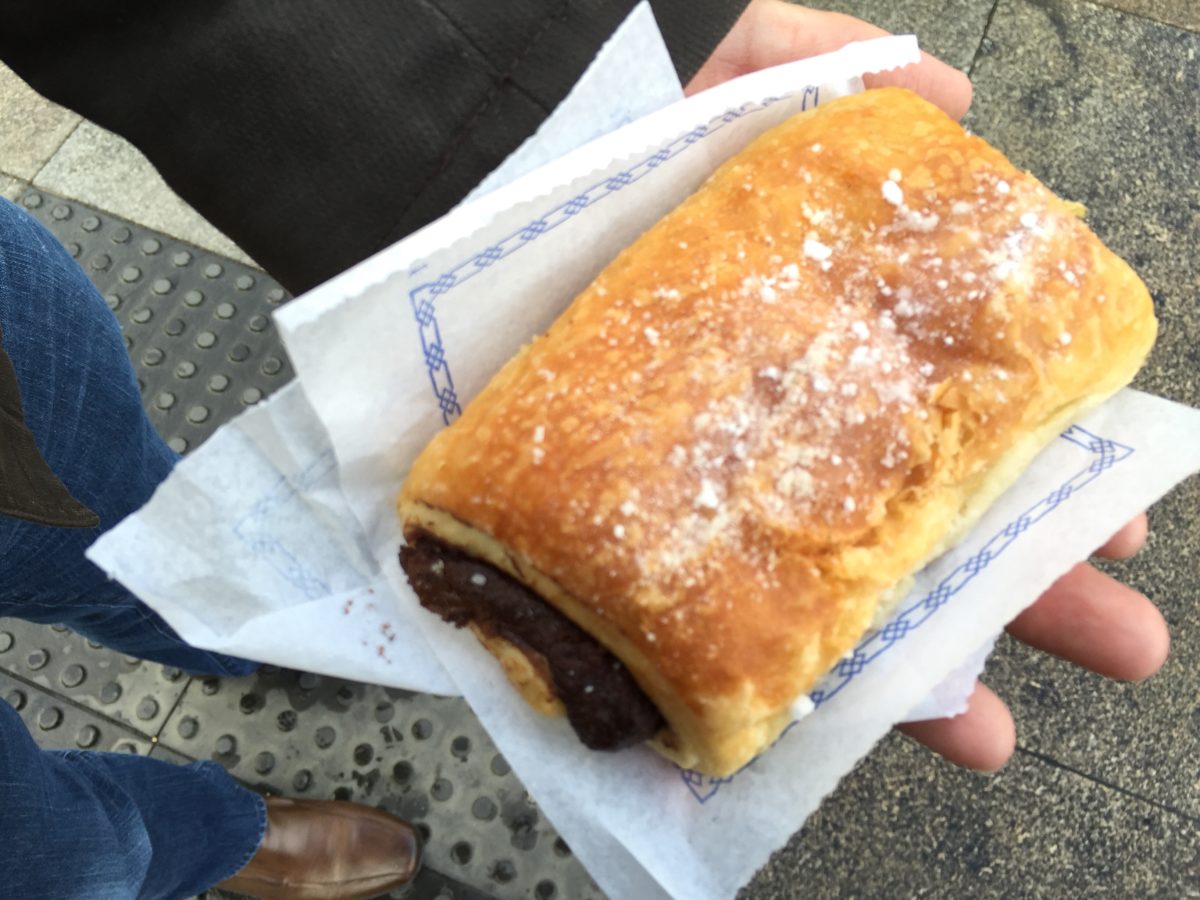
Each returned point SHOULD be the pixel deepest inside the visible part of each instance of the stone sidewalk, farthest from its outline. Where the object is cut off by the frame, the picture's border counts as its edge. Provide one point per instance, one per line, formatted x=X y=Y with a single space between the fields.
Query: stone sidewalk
x=1099 y=99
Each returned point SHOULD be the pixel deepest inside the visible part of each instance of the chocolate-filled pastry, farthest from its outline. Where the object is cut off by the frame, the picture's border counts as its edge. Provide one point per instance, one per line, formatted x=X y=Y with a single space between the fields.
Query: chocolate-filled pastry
x=674 y=512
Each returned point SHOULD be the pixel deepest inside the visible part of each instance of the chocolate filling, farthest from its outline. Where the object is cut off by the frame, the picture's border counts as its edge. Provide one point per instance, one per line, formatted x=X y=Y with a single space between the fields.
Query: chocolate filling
x=605 y=706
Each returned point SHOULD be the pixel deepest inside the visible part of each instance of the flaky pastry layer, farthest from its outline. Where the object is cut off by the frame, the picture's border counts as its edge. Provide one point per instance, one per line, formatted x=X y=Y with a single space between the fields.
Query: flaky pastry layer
x=780 y=402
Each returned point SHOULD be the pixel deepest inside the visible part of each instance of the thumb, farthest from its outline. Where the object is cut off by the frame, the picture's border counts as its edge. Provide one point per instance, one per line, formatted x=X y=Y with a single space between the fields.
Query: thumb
x=772 y=32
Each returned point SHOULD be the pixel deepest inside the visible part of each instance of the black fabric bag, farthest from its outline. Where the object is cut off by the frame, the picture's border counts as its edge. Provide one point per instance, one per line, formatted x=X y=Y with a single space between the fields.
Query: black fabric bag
x=313 y=133
x=316 y=133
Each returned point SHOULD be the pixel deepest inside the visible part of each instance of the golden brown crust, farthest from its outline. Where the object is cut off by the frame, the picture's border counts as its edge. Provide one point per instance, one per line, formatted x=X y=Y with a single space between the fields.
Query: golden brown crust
x=780 y=401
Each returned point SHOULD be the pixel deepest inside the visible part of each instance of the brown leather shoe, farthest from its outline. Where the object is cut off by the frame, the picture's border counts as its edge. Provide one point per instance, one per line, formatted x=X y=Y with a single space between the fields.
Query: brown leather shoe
x=328 y=850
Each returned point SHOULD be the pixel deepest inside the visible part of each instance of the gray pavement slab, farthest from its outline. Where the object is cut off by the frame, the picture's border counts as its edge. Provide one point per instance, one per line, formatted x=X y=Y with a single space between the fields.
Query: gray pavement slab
x=1144 y=738
x=1103 y=799
x=905 y=825
x=949 y=29
x=426 y=759
x=31 y=127
x=197 y=325
x=1104 y=107
x=11 y=188
x=103 y=170
x=128 y=690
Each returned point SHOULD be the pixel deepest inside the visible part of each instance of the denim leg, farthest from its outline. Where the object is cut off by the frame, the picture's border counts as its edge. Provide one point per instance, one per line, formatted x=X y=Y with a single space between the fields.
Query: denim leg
x=84 y=408
x=110 y=826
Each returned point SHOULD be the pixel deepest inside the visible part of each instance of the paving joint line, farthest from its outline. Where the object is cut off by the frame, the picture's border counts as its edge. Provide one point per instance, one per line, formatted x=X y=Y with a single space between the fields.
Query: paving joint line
x=1138 y=15
x=42 y=168
x=987 y=26
x=68 y=701
x=174 y=708
x=1058 y=764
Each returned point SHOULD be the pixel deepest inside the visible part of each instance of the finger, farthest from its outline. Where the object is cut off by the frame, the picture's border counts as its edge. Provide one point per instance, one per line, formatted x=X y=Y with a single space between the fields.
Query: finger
x=1097 y=622
x=772 y=32
x=981 y=738
x=940 y=84
x=1127 y=541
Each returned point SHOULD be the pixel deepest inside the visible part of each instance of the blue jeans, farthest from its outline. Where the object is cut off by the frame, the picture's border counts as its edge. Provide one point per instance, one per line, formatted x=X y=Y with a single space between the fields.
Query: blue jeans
x=79 y=824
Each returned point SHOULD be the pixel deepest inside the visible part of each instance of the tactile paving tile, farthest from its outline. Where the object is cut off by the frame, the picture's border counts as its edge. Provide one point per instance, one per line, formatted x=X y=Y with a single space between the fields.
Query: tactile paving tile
x=428 y=885
x=138 y=693
x=426 y=759
x=56 y=723
x=166 y=754
x=197 y=325
x=198 y=330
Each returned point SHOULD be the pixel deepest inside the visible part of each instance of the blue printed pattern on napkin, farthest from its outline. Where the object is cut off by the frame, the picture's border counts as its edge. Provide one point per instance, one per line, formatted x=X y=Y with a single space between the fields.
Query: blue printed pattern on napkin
x=1103 y=454
x=423 y=299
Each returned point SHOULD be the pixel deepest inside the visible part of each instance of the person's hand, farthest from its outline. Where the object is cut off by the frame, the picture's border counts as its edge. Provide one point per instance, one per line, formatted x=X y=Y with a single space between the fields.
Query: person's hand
x=772 y=32
x=1086 y=617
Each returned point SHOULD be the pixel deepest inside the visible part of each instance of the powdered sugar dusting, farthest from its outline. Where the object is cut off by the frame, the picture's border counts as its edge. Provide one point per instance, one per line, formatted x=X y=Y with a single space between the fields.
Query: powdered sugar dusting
x=708 y=498
x=821 y=414
x=814 y=249
x=748 y=402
